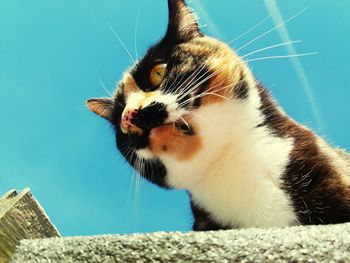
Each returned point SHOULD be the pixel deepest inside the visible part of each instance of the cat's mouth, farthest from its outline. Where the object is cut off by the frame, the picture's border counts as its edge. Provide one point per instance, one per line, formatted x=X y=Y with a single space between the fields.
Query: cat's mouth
x=178 y=124
x=132 y=123
x=156 y=115
x=133 y=129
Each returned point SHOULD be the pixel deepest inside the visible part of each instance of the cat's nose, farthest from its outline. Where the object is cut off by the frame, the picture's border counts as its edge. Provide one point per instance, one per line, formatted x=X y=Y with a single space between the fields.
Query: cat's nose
x=127 y=120
x=142 y=119
x=151 y=116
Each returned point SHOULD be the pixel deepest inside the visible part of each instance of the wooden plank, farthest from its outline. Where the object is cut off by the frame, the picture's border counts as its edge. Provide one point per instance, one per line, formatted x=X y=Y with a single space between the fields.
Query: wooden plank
x=21 y=217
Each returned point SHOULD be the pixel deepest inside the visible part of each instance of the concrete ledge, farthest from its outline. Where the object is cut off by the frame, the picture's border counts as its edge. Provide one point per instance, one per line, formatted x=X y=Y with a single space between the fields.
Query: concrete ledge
x=296 y=244
x=21 y=217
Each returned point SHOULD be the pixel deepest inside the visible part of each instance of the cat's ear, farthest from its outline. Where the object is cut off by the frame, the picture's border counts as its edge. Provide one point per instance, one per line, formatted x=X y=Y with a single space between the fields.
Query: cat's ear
x=182 y=24
x=102 y=107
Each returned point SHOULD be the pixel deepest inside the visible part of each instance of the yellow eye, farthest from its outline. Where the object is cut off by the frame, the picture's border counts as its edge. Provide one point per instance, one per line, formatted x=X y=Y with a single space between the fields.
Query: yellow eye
x=157 y=74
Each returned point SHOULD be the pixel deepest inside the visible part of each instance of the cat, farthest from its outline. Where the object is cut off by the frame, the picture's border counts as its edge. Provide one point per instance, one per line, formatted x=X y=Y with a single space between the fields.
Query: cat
x=191 y=115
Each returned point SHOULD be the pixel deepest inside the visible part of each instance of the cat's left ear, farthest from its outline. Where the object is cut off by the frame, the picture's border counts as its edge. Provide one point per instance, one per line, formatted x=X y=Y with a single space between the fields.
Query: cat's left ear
x=102 y=107
x=182 y=25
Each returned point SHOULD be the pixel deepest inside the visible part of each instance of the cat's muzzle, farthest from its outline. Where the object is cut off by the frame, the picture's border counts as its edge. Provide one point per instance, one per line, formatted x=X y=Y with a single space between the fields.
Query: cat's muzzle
x=144 y=119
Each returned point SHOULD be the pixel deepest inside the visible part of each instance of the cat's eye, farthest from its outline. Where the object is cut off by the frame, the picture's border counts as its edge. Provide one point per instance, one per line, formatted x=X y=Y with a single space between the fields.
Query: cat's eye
x=157 y=74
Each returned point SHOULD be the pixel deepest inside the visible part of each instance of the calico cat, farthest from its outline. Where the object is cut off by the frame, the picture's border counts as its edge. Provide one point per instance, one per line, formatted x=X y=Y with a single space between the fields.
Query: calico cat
x=191 y=115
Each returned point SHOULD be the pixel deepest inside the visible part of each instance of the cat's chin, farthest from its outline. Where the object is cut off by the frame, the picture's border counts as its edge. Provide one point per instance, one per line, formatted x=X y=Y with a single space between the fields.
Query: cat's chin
x=131 y=130
x=158 y=139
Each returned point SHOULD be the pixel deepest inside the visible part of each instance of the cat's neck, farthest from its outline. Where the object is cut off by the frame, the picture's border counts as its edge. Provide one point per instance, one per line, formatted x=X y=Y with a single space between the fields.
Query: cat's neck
x=239 y=166
x=234 y=132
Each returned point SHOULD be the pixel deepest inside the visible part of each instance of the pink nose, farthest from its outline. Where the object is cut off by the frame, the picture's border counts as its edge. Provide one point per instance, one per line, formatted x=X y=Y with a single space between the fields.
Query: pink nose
x=128 y=117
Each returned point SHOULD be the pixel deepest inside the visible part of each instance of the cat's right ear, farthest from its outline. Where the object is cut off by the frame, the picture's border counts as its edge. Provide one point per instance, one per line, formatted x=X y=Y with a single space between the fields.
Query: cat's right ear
x=182 y=24
x=102 y=107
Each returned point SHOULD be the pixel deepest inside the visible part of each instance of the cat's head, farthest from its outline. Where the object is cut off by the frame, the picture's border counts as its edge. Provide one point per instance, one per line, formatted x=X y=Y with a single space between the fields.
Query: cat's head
x=156 y=100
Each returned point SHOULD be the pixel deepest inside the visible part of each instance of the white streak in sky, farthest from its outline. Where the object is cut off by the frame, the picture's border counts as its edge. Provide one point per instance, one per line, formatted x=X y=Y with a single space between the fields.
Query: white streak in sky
x=275 y=13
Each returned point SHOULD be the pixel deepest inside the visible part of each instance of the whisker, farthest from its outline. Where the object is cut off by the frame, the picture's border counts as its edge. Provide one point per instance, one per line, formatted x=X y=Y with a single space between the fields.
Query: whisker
x=274 y=28
x=213 y=94
x=102 y=84
x=249 y=30
x=198 y=116
x=174 y=82
x=247 y=61
x=184 y=121
x=137 y=186
x=271 y=47
x=133 y=175
x=190 y=88
x=250 y=60
x=193 y=85
x=196 y=85
x=122 y=43
x=194 y=75
x=283 y=56
x=211 y=89
x=152 y=171
x=274 y=11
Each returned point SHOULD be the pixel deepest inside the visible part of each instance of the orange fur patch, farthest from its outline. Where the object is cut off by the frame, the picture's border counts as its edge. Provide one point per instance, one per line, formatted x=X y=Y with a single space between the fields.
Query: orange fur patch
x=227 y=71
x=168 y=140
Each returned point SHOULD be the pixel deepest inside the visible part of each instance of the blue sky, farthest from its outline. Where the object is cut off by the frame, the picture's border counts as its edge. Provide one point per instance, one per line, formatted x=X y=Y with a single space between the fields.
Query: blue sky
x=53 y=55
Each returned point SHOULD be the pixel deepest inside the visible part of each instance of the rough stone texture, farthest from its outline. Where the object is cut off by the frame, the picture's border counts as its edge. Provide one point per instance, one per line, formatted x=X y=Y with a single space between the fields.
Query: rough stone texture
x=296 y=244
x=21 y=217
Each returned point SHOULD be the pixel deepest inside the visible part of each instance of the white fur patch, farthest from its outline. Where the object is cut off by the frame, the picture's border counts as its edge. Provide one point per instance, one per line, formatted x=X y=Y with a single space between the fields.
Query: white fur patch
x=236 y=174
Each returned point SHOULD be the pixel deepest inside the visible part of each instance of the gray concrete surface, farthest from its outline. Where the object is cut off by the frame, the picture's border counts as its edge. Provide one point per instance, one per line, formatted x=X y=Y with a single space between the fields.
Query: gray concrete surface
x=295 y=244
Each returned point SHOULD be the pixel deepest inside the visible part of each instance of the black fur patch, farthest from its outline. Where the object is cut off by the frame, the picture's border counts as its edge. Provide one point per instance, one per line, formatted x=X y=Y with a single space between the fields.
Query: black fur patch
x=155 y=172
x=152 y=170
x=185 y=129
x=241 y=89
x=273 y=118
x=133 y=141
x=151 y=116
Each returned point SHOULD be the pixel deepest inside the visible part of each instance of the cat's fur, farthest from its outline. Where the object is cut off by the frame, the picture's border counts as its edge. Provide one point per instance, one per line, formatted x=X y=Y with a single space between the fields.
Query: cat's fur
x=211 y=128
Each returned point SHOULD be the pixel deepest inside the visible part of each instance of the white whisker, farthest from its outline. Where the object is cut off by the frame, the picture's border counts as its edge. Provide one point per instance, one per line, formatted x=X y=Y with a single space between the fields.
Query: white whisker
x=242 y=62
x=194 y=75
x=122 y=43
x=128 y=154
x=196 y=85
x=213 y=94
x=102 y=84
x=274 y=28
x=283 y=56
x=184 y=121
x=137 y=165
x=198 y=116
x=271 y=47
x=284 y=34
x=249 y=30
x=212 y=90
